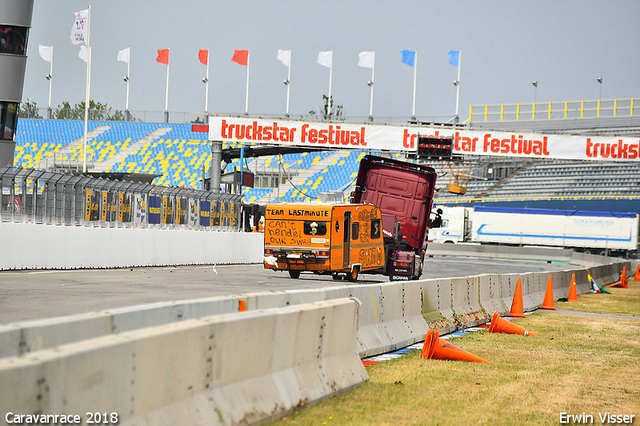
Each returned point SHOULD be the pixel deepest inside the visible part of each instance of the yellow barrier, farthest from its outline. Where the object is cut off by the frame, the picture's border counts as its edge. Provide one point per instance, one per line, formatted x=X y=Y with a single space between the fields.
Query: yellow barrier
x=534 y=198
x=555 y=110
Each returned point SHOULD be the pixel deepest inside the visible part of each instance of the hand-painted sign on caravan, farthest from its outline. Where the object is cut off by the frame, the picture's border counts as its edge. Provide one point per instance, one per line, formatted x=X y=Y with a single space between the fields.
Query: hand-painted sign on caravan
x=405 y=138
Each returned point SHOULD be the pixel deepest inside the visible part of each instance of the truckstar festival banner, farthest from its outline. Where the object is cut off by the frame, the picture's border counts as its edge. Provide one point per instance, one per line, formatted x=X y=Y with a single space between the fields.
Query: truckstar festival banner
x=404 y=138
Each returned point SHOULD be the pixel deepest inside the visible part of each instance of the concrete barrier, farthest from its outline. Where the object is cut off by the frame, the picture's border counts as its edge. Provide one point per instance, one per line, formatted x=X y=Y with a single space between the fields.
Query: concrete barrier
x=436 y=305
x=28 y=336
x=306 y=295
x=390 y=316
x=412 y=311
x=265 y=300
x=373 y=337
x=502 y=252
x=246 y=368
x=465 y=302
x=609 y=273
x=508 y=283
x=533 y=286
x=389 y=319
x=122 y=247
x=490 y=290
x=582 y=281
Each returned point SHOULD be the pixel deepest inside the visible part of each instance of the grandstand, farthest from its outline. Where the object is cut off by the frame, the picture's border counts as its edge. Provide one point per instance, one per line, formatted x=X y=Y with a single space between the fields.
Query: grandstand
x=181 y=157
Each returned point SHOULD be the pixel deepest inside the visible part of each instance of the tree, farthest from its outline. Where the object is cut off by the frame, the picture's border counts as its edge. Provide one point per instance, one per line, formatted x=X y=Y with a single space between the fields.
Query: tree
x=29 y=110
x=329 y=111
x=97 y=112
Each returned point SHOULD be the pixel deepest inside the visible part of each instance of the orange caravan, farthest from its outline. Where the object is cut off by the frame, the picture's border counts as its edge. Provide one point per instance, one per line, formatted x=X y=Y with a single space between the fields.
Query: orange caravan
x=336 y=239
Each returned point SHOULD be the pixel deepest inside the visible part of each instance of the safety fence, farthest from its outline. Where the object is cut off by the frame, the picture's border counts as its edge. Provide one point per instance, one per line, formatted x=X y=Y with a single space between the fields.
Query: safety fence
x=555 y=110
x=221 y=366
x=52 y=198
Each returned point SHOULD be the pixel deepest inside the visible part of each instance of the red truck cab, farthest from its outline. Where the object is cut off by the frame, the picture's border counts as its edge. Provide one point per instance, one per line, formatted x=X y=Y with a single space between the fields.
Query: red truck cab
x=404 y=193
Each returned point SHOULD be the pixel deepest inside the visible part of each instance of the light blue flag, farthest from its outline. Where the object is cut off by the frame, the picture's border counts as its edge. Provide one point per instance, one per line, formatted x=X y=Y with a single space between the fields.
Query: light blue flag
x=409 y=57
x=454 y=57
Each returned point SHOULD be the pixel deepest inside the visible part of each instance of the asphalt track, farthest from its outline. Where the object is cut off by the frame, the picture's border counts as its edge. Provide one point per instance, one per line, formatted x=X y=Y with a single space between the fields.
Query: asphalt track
x=27 y=295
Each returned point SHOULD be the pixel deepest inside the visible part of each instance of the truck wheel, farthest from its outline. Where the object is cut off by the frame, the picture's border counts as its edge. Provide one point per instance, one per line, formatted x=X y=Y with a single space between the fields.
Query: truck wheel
x=294 y=273
x=353 y=275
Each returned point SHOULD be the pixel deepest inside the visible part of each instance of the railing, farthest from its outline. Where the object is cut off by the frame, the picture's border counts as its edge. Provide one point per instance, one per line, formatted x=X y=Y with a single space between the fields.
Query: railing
x=181 y=117
x=555 y=110
x=461 y=200
x=39 y=196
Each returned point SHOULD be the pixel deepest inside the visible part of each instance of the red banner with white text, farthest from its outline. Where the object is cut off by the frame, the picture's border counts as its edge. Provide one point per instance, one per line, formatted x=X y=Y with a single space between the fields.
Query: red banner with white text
x=404 y=138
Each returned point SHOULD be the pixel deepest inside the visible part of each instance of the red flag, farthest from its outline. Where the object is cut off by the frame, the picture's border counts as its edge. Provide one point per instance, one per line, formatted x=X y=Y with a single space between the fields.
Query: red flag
x=241 y=57
x=163 y=56
x=203 y=55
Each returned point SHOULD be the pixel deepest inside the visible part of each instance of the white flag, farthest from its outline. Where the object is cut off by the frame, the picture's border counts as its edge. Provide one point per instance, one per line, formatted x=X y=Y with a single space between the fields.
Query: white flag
x=45 y=52
x=284 y=56
x=124 y=55
x=326 y=58
x=79 y=28
x=83 y=54
x=367 y=59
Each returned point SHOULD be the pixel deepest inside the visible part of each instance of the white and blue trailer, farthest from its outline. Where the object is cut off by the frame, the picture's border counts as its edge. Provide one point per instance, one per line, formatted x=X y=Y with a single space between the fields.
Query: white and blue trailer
x=586 y=231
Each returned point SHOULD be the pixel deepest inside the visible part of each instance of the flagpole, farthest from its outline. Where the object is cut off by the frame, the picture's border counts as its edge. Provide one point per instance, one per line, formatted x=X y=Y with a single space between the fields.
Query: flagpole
x=373 y=69
x=330 y=81
x=50 y=82
x=88 y=92
x=458 y=85
x=128 y=73
x=206 y=90
x=166 y=99
x=288 y=84
x=415 y=74
x=246 y=105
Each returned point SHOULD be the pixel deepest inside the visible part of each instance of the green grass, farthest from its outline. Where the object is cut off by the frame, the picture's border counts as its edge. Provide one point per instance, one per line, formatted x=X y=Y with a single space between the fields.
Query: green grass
x=578 y=364
x=621 y=301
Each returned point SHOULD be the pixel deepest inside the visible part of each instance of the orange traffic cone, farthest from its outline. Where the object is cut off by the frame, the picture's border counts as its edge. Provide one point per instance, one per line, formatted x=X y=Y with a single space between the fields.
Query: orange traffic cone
x=573 y=290
x=548 y=296
x=623 y=283
x=517 y=309
x=437 y=348
x=636 y=277
x=242 y=306
x=499 y=325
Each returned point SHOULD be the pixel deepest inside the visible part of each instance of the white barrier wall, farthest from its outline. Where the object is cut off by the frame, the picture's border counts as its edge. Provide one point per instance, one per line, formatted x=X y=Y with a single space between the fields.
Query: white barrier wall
x=393 y=315
x=30 y=336
x=501 y=252
x=246 y=368
x=38 y=246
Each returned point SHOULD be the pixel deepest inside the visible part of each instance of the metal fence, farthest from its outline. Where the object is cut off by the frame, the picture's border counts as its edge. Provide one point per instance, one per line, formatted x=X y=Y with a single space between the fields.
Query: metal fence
x=555 y=110
x=39 y=196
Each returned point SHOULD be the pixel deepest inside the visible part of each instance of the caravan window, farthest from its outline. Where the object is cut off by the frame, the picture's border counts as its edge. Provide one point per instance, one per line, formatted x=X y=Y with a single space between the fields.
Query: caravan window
x=312 y=227
x=375 y=229
x=355 y=231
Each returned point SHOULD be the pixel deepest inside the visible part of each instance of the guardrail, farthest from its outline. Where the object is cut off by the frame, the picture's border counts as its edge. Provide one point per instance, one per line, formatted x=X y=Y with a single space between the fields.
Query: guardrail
x=38 y=196
x=555 y=110
x=247 y=367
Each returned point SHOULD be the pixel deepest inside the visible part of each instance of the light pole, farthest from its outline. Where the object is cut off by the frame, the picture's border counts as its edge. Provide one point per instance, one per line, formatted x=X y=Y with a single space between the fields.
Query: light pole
x=535 y=99
x=457 y=84
x=599 y=80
